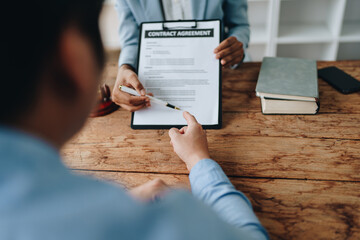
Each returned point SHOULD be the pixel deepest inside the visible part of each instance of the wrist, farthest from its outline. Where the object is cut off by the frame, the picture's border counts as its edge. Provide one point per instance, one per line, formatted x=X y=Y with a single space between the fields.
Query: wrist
x=126 y=67
x=195 y=159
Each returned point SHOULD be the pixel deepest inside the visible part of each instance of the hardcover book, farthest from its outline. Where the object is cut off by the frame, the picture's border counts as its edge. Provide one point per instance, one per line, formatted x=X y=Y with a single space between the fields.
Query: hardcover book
x=288 y=86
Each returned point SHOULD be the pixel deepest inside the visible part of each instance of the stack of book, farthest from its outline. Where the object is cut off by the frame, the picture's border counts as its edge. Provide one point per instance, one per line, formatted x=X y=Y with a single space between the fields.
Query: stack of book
x=288 y=86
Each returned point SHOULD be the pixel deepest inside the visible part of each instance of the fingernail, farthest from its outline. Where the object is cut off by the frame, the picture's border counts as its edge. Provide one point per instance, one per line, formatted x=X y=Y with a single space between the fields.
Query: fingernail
x=142 y=91
x=223 y=62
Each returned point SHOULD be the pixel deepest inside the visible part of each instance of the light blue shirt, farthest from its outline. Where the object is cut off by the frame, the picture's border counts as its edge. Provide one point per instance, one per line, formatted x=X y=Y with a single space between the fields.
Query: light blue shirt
x=41 y=199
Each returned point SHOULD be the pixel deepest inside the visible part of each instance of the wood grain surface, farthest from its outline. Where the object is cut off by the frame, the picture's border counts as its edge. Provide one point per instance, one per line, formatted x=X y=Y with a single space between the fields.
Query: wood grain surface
x=301 y=172
x=289 y=209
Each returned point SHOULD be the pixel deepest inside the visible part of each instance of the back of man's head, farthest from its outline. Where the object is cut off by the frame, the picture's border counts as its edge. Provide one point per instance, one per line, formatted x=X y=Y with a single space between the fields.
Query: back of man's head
x=29 y=43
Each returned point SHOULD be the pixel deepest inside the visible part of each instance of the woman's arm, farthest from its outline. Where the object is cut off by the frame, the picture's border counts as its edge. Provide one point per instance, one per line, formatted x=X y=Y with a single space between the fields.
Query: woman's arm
x=128 y=33
x=236 y=20
x=232 y=50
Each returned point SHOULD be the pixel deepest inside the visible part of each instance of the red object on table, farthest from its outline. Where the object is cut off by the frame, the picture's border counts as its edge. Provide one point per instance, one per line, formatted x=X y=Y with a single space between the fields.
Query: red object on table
x=105 y=105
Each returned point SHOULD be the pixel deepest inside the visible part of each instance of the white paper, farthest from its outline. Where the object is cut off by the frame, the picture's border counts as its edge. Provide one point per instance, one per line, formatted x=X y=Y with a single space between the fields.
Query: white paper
x=182 y=71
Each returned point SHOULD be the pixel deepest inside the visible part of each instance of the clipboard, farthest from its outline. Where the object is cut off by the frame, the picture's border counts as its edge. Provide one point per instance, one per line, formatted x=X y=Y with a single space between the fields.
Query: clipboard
x=187 y=28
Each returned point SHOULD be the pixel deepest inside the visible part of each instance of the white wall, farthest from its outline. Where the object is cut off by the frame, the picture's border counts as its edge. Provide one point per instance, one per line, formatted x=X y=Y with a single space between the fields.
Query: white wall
x=109 y=25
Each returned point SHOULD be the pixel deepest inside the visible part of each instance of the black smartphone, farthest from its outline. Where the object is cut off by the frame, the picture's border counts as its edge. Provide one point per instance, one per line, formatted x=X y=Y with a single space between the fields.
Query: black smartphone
x=339 y=79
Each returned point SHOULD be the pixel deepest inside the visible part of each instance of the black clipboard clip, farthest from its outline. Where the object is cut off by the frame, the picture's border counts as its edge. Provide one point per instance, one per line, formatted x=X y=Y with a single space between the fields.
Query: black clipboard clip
x=180 y=26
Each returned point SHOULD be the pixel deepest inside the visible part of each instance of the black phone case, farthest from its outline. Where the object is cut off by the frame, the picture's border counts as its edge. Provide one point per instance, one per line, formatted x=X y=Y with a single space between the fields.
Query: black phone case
x=340 y=80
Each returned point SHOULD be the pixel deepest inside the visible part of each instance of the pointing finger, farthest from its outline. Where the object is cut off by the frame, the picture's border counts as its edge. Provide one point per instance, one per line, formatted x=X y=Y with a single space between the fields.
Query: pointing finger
x=190 y=119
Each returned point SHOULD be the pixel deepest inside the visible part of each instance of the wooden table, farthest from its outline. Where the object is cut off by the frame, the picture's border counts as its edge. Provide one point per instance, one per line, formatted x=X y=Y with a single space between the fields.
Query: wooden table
x=301 y=173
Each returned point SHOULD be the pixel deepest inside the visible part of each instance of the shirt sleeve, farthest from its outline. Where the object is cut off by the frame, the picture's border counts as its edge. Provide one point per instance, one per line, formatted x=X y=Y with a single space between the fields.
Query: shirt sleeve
x=236 y=20
x=128 y=34
x=210 y=184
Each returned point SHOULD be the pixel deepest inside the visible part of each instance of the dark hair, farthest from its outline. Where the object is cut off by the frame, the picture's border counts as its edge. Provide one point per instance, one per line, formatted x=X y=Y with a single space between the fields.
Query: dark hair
x=30 y=33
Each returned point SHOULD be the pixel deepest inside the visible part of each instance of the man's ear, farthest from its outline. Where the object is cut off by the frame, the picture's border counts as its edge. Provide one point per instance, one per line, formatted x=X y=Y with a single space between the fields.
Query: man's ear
x=78 y=59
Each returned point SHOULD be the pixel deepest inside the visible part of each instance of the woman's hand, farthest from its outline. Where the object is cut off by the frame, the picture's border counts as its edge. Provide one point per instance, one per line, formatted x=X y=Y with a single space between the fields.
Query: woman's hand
x=230 y=51
x=127 y=77
x=190 y=142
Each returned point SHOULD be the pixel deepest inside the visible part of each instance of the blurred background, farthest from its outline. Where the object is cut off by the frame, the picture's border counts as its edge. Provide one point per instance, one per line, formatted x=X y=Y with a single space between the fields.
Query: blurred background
x=312 y=29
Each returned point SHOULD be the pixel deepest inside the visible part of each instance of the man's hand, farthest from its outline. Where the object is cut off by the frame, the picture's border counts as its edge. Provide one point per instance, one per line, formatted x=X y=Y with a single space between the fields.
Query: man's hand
x=190 y=142
x=127 y=77
x=150 y=191
x=230 y=51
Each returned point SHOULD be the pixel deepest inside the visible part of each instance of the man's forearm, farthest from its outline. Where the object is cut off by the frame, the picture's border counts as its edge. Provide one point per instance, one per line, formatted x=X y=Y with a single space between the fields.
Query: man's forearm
x=210 y=184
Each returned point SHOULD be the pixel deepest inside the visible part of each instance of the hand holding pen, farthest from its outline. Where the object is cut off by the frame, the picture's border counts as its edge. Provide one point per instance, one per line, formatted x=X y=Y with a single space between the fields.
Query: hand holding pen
x=152 y=99
x=127 y=76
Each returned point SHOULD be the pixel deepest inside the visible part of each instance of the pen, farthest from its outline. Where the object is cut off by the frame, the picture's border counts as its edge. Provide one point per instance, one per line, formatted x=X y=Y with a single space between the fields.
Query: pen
x=155 y=100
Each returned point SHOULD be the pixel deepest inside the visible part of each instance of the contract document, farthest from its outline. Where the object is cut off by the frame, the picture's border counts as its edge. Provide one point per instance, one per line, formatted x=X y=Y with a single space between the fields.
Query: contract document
x=177 y=64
